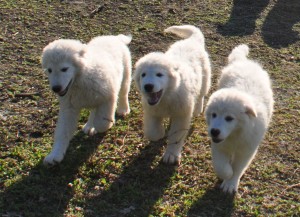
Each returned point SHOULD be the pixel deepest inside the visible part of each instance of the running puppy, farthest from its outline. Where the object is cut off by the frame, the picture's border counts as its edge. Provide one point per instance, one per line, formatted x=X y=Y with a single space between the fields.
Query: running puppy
x=173 y=85
x=94 y=76
x=238 y=115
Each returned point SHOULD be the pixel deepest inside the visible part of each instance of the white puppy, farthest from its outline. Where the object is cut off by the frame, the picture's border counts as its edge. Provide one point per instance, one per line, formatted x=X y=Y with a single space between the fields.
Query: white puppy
x=238 y=115
x=173 y=85
x=94 y=76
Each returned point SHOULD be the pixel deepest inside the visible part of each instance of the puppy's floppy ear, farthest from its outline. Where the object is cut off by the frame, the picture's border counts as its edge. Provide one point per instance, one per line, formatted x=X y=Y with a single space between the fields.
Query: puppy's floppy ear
x=174 y=67
x=248 y=104
x=136 y=76
x=250 y=111
x=207 y=115
x=174 y=74
x=82 y=52
x=78 y=56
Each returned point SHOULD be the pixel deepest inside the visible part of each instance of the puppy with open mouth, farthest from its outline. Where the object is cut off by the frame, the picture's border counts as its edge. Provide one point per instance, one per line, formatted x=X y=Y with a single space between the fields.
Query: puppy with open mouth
x=173 y=85
x=95 y=76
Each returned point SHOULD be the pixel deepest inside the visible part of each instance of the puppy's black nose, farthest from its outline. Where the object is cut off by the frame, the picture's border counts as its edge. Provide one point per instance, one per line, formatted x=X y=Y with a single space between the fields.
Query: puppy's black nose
x=56 y=88
x=149 y=88
x=215 y=132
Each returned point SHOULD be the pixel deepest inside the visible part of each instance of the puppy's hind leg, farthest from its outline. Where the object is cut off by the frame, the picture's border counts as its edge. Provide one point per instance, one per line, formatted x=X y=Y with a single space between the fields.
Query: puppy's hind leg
x=123 y=106
x=89 y=128
x=199 y=106
x=153 y=127
x=105 y=115
x=66 y=126
x=205 y=84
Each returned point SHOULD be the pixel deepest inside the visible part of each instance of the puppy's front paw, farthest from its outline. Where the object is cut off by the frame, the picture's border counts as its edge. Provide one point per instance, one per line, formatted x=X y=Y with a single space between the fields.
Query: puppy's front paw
x=89 y=130
x=53 y=159
x=170 y=158
x=123 y=111
x=229 y=186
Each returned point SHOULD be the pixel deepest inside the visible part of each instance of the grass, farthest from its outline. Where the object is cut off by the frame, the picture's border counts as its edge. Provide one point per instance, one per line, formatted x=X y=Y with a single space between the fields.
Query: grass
x=119 y=173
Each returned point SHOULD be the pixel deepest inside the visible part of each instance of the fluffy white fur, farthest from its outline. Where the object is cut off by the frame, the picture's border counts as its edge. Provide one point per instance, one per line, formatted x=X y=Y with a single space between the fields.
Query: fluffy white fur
x=96 y=76
x=238 y=115
x=173 y=85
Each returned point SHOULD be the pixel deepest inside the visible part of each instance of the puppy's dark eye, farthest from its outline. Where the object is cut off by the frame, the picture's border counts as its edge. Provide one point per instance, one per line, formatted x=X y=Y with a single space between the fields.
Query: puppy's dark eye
x=49 y=70
x=229 y=118
x=64 y=69
x=159 y=75
x=144 y=74
x=214 y=115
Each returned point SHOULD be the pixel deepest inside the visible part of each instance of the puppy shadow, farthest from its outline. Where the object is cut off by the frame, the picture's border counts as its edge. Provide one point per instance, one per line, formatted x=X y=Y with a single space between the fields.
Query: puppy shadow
x=242 y=18
x=277 y=30
x=136 y=190
x=213 y=203
x=47 y=189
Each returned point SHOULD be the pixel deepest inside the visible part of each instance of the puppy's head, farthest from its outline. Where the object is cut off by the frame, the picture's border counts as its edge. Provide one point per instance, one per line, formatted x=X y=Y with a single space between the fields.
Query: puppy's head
x=61 y=60
x=227 y=112
x=155 y=74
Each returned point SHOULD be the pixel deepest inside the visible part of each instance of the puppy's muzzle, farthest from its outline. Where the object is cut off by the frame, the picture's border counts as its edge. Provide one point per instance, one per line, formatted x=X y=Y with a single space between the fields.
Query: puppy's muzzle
x=152 y=97
x=57 y=88
x=149 y=88
x=215 y=134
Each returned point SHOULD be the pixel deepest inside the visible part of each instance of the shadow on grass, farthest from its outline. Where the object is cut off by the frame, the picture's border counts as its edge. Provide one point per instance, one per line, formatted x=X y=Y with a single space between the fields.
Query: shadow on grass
x=137 y=189
x=277 y=30
x=213 y=203
x=243 y=17
x=44 y=191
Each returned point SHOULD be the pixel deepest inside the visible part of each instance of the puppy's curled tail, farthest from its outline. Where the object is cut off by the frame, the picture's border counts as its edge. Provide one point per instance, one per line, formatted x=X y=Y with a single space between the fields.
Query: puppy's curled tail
x=126 y=39
x=238 y=53
x=185 y=31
